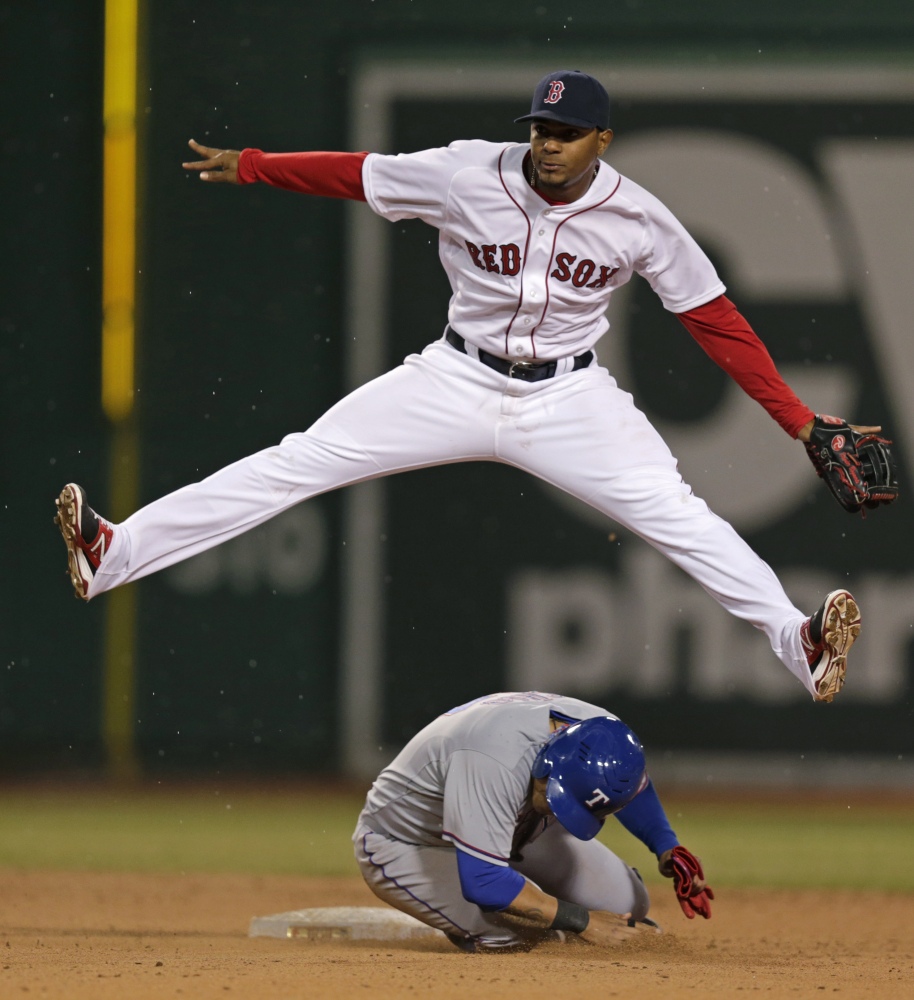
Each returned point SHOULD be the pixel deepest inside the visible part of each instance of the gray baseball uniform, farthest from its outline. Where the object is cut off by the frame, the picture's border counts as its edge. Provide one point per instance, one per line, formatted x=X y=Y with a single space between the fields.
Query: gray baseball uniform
x=462 y=784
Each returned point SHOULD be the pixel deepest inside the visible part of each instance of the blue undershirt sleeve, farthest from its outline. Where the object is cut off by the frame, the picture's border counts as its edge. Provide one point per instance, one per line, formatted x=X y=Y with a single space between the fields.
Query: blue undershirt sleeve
x=490 y=887
x=645 y=819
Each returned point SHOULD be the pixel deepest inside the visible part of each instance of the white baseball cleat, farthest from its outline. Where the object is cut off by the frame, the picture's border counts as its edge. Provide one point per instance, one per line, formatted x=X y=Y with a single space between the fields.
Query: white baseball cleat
x=827 y=638
x=78 y=523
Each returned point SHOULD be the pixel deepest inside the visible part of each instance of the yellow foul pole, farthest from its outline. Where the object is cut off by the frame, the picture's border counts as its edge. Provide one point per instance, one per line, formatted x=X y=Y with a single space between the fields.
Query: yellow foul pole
x=119 y=240
x=119 y=225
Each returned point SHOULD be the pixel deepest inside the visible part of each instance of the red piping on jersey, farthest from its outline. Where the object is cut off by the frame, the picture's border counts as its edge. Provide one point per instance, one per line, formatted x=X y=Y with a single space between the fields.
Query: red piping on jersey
x=520 y=298
x=552 y=257
x=478 y=850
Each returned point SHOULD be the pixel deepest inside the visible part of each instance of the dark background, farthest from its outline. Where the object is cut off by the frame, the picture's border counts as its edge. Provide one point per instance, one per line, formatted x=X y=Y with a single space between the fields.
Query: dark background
x=240 y=323
x=457 y=618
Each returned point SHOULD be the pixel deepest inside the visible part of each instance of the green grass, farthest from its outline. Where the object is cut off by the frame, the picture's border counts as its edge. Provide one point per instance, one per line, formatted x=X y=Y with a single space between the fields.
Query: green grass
x=306 y=831
x=788 y=845
x=291 y=832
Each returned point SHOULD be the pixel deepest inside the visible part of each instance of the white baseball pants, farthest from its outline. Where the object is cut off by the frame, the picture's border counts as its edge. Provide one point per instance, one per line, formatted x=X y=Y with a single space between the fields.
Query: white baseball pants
x=577 y=431
x=424 y=882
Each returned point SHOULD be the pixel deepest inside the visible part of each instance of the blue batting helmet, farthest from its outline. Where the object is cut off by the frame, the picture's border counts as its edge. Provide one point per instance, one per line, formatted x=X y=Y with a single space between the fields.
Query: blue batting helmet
x=594 y=768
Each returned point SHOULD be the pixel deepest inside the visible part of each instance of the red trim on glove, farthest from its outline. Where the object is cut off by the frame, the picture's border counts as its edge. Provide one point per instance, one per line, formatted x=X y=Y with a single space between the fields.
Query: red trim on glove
x=331 y=175
x=727 y=338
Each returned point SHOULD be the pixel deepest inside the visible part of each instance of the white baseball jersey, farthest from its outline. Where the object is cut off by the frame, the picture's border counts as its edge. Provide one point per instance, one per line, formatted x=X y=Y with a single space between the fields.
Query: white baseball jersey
x=532 y=279
x=465 y=778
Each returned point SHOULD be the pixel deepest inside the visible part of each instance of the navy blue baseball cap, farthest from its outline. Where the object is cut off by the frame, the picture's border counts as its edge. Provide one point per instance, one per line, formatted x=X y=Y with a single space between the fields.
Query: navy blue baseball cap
x=571 y=97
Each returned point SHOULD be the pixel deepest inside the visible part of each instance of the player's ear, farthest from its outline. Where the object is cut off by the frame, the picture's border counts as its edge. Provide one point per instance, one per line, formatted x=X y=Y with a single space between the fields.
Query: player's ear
x=605 y=138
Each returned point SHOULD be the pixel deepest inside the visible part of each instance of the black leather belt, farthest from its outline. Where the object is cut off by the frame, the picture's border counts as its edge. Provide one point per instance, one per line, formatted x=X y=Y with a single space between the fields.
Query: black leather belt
x=529 y=371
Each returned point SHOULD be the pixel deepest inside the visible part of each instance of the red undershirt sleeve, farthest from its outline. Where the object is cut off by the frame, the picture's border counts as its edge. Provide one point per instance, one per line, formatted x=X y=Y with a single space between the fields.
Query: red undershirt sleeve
x=728 y=339
x=332 y=175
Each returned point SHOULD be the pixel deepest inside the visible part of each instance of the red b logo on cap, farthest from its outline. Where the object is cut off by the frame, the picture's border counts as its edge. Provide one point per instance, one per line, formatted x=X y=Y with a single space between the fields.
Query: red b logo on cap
x=555 y=92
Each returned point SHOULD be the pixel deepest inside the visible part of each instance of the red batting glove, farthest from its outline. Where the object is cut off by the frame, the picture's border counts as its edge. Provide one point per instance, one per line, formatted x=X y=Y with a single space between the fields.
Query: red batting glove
x=688 y=879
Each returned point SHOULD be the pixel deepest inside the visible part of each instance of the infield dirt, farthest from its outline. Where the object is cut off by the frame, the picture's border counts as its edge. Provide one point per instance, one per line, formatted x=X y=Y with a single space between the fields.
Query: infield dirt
x=101 y=936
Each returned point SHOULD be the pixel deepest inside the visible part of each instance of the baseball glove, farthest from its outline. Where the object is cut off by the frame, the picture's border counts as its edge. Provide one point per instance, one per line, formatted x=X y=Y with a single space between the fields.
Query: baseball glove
x=859 y=469
x=689 y=882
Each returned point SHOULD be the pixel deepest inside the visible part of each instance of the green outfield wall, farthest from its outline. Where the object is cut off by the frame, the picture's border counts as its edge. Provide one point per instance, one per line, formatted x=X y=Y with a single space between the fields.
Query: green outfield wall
x=784 y=139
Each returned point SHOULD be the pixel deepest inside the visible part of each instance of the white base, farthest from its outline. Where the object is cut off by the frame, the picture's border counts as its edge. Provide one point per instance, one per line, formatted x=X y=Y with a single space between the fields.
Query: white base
x=339 y=923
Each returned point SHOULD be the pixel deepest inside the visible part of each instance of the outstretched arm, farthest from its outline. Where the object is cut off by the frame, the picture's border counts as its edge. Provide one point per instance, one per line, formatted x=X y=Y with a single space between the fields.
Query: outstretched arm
x=328 y=174
x=727 y=338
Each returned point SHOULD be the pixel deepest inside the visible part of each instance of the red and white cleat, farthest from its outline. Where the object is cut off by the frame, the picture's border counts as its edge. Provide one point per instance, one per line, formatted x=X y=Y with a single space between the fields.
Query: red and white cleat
x=827 y=638
x=86 y=535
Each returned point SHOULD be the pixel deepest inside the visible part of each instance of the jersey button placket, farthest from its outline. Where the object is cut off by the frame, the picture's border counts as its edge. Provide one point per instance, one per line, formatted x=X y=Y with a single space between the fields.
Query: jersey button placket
x=535 y=282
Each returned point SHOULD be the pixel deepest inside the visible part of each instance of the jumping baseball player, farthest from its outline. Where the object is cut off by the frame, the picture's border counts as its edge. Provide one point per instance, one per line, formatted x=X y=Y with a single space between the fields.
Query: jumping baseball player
x=483 y=826
x=534 y=238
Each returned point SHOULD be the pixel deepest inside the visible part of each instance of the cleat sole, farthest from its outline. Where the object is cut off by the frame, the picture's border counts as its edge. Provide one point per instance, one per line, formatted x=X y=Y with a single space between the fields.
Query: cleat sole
x=840 y=630
x=65 y=519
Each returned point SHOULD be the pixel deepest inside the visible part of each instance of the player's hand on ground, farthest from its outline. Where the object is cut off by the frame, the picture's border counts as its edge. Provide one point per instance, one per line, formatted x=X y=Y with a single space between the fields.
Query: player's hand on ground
x=607 y=929
x=692 y=892
x=218 y=165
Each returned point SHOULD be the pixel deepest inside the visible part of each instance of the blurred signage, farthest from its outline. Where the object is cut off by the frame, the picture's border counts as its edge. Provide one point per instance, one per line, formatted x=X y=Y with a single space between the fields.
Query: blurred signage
x=796 y=182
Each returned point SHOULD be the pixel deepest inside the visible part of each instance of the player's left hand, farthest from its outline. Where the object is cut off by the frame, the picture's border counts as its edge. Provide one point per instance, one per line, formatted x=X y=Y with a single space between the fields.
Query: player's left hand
x=856 y=464
x=804 y=432
x=217 y=166
x=693 y=893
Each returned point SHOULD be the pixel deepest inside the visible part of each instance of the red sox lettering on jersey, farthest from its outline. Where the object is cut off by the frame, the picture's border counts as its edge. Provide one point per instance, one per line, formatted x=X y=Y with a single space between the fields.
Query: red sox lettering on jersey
x=531 y=279
x=506 y=259
x=582 y=273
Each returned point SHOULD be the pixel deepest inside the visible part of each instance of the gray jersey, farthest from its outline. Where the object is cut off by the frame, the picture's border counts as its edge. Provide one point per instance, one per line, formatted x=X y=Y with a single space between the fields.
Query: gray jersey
x=465 y=778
